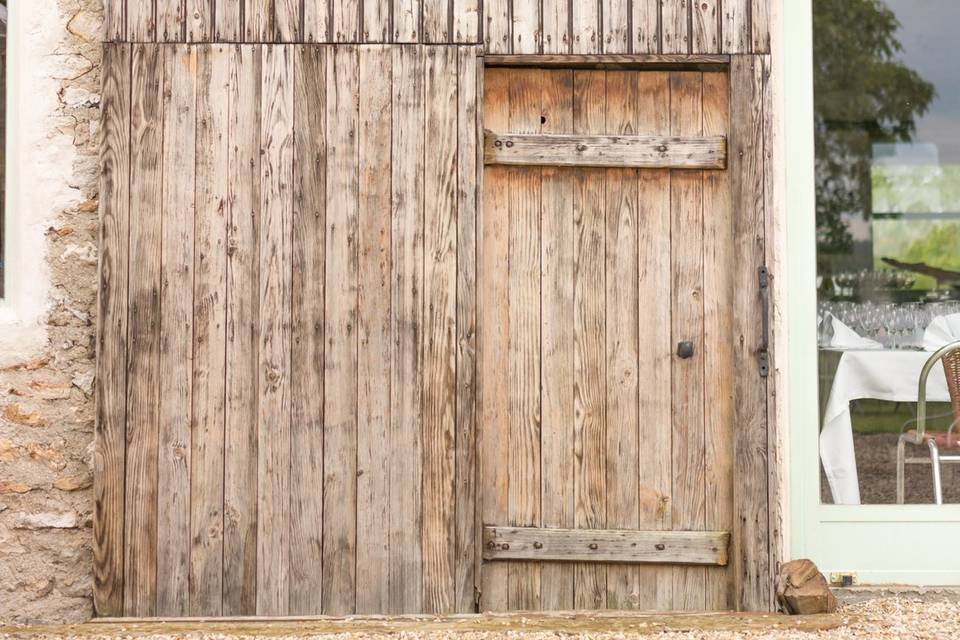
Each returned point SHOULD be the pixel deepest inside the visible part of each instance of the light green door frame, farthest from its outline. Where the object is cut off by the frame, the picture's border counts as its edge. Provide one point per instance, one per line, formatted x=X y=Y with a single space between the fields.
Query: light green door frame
x=880 y=543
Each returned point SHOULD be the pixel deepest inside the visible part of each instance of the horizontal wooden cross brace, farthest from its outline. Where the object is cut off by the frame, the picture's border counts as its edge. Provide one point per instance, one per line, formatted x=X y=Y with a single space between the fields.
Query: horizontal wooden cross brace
x=606 y=545
x=646 y=152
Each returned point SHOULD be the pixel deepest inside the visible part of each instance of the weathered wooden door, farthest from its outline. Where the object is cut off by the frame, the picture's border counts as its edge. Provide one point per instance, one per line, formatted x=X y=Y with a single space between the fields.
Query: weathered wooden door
x=607 y=340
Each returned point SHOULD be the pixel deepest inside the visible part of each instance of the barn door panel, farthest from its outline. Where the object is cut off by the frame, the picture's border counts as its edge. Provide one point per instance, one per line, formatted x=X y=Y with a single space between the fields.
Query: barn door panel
x=605 y=309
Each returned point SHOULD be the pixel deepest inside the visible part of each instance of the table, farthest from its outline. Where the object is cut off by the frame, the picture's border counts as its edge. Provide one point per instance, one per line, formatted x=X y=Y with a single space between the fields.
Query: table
x=878 y=374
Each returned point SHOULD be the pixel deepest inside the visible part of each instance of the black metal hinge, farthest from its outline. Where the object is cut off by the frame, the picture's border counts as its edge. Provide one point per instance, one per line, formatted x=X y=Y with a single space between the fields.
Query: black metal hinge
x=763 y=354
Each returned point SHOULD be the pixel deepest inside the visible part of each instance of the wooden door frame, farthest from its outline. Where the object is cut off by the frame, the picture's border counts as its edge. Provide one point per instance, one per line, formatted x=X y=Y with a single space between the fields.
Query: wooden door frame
x=757 y=545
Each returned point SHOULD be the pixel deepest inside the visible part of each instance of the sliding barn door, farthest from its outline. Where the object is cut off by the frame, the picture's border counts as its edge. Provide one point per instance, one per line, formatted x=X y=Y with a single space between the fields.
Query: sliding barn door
x=606 y=280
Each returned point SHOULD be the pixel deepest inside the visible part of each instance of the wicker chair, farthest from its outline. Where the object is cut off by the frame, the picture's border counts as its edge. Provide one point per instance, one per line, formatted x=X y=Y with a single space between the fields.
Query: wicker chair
x=936 y=441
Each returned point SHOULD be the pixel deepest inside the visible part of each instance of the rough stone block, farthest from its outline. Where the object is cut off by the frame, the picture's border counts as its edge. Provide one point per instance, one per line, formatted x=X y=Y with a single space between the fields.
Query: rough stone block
x=802 y=589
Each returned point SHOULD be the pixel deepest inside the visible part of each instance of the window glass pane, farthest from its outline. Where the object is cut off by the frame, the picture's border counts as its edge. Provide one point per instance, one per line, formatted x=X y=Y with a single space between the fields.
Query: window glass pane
x=887 y=126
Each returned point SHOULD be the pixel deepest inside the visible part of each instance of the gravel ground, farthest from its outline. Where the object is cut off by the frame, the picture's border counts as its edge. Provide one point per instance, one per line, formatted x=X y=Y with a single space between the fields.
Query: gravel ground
x=882 y=619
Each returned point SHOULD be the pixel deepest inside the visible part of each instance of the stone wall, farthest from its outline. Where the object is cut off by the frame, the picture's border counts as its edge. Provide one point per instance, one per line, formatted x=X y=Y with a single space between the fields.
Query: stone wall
x=46 y=393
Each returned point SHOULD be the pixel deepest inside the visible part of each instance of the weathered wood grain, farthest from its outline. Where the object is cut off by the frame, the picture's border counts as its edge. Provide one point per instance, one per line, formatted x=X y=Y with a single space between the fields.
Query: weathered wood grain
x=640 y=61
x=436 y=20
x=616 y=26
x=243 y=335
x=525 y=26
x=556 y=27
x=718 y=291
x=340 y=361
x=589 y=339
x=209 y=337
x=316 y=22
x=171 y=20
x=439 y=330
x=655 y=351
x=259 y=20
x=686 y=204
x=176 y=329
x=115 y=21
x=675 y=26
x=469 y=167
x=651 y=152
x=406 y=304
x=345 y=26
x=228 y=22
x=751 y=550
x=199 y=17
x=585 y=18
x=494 y=339
x=556 y=330
x=376 y=21
x=143 y=332
x=622 y=337
x=706 y=26
x=406 y=21
x=760 y=26
x=373 y=320
x=307 y=382
x=276 y=230
x=497 y=27
x=466 y=21
x=735 y=26
x=606 y=545
x=524 y=351
x=141 y=20
x=646 y=26
x=109 y=459
x=287 y=20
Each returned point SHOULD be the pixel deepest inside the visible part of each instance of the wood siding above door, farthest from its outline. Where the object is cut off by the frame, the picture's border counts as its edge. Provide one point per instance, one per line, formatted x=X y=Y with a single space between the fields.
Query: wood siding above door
x=503 y=26
x=287 y=386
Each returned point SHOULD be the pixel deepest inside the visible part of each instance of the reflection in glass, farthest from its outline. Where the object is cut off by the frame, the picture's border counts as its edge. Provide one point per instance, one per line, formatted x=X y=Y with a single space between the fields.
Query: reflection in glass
x=887 y=135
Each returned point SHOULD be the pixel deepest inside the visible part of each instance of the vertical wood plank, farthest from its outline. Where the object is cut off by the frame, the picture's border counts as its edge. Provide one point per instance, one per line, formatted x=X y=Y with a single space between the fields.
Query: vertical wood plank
x=646 y=26
x=227 y=22
x=589 y=340
x=494 y=337
x=406 y=383
x=141 y=20
x=718 y=287
x=199 y=20
x=340 y=362
x=616 y=26
x=556 y=26
x=706 y=26
x=751 y=550
x=276 y=230
x=468 y=176
x=114 y=20
x=376 y=21
x=307 y=360
x=209 y=339
x=524 y=364
x=525 y=26
x=436 y=21
x=346 y=20
x=259 y=20
x=171 y=20
x=675 y=25
x=439 y=330
x=497 y=29
x=243 y=335
x=288 y=20
x=557 y=319
x=176 y=329
x=655 y=352
x=736 y=26
x=586 y=26
x=466 y=21
x=143 y=352
x=109 y=452
x=686 y=203
x=316 y=21
x=374 y=357
x=406 y=20
x=622 y=339
x=760 y=26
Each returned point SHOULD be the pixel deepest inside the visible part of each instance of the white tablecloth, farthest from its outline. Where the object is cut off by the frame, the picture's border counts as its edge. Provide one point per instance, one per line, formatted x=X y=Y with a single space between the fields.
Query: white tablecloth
x=878 y=374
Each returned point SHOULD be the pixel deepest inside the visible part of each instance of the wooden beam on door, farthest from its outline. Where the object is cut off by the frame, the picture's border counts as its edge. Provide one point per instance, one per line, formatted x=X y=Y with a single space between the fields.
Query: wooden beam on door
x=606 y=545
x=644 y=61
x=649 y=152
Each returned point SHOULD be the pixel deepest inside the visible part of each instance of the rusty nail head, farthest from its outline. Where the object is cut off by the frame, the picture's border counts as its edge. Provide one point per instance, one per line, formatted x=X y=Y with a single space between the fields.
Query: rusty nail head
x=498 y=143
x=538 y=545
x=509 y=143
x=505 y=546
x=660 y=546
x=593 y=545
